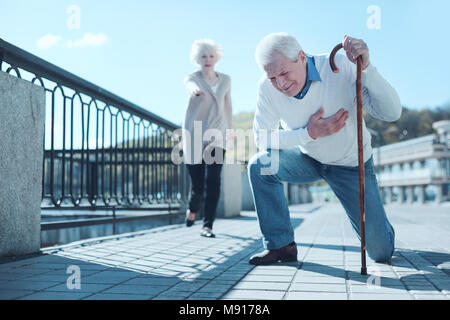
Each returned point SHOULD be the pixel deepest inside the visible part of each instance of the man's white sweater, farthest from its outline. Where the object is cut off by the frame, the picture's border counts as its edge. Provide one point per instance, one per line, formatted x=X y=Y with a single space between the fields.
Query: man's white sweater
x=335 y=91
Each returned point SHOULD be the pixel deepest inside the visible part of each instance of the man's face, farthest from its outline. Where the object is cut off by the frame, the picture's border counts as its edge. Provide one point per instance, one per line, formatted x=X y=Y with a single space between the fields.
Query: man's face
x=287 y=76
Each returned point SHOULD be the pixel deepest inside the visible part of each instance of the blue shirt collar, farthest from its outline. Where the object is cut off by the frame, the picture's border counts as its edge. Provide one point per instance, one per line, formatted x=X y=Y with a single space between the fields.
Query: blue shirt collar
x=312 y=75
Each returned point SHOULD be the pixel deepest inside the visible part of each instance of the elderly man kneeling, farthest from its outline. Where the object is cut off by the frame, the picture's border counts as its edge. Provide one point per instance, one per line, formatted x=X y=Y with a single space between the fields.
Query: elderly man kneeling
x=317 y=110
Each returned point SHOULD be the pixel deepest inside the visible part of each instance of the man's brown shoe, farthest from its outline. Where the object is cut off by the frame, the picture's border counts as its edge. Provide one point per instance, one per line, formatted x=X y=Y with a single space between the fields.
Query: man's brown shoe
x=285 y=254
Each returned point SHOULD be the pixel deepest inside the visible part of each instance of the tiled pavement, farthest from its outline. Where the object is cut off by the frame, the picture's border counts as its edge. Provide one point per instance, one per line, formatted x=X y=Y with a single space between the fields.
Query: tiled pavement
x=174 y=262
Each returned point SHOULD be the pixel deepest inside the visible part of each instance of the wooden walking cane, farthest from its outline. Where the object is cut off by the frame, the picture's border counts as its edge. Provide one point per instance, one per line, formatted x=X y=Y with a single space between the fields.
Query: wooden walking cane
x=360 y=149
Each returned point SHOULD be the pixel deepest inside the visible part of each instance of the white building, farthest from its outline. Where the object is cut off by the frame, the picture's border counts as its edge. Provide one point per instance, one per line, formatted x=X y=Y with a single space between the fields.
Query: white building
x=416 y=170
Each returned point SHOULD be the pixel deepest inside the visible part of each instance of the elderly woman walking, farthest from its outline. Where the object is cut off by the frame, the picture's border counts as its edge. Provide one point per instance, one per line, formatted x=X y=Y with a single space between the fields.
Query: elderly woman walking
x=208 y=115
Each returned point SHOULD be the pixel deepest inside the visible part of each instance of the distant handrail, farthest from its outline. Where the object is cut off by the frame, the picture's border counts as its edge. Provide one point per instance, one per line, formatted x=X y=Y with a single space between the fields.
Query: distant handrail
x=94 y=156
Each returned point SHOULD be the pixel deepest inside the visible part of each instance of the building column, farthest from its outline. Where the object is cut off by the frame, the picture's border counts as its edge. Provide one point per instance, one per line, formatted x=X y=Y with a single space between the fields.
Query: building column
x=388 y=194
x=230 y=200
x=409 y=194
x=402 y=195
x=421 y=195
x=438 y=198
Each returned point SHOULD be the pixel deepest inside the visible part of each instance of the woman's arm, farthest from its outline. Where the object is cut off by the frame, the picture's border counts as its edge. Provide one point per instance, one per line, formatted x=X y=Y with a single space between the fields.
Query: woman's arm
x=192 y=87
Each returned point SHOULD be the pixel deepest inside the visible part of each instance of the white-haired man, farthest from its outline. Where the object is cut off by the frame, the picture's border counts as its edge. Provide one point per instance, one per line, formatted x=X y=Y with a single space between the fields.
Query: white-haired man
x=317 y=110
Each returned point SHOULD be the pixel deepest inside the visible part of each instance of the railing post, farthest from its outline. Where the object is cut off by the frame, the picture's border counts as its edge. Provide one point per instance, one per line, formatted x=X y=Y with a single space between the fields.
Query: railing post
x=22 y=108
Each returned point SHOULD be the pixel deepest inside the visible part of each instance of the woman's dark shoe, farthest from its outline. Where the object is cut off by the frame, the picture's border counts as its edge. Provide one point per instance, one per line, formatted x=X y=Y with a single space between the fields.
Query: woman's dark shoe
x=190 y=222
x=207 y=232
x=285 y=254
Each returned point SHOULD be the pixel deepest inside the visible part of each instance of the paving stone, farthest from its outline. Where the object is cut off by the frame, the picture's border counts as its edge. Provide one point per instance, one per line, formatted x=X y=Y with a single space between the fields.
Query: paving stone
x=114 y=296
x=164 y=273
x=26 y=285
x=10 y=276
x=253 y=295
x=377 y=289
x=320 y=287
x=191 y=286
x=322 y=273
x=206 y=295
x=84 y=287
x=135 y=289
x=13 y=294
x=430 y=297
x=383 y=282
x=309 y=279
x=85 y=267
x=280 y=272
x=427 y=292
x=47 y=278
x=49 y=295
x=146 y=262
x=223 y=276
x=107 y=278
x=420 y=286
x=153 y=281
x=202 y=296
x=173 y=295
x=213 y=287
x=170 y=297
x=304 y=295
x=251 y=285
x=267 y=278
x=29 y=270
x=380 y=296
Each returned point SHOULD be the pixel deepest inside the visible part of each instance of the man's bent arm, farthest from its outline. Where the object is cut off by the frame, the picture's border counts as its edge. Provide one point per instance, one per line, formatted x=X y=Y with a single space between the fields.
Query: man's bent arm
x=379 y=97
x=267 y=133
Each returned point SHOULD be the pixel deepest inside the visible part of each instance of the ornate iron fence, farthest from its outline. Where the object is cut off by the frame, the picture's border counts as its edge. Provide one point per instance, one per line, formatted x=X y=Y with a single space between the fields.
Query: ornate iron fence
x=100 y=151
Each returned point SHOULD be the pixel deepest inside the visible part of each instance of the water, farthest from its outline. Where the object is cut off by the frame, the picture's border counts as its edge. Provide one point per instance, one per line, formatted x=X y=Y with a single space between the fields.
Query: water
x=63 y=236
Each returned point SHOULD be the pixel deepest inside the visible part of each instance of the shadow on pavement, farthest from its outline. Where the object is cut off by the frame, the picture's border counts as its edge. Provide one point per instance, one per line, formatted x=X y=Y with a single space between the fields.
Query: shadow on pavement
x=206 y=273
x=415 y=269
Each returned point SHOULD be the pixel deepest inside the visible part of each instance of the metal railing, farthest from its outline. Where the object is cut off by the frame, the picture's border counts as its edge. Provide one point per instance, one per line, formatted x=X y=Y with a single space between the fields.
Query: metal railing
x=100 y=150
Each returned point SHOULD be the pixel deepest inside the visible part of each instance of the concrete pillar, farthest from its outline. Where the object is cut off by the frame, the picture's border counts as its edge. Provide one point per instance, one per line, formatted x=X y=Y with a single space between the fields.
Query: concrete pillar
x=402 y=194
x=382 y=194
x=230 y=201
x=439 y=194
x=409 y=194
x=247 y=195
x=421 y=195
x=286 y=191
x=388 y=193
x=305 y=195
x=22 y=109
x=184 y=183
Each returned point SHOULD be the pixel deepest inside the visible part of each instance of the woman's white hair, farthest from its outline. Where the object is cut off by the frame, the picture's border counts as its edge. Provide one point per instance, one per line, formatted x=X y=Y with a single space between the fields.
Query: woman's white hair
x=281 y=42
x=201 y=45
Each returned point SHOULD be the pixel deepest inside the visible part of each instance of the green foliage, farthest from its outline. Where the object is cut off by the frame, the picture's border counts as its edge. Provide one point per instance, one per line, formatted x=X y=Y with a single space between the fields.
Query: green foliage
x=412 y=124
x=243 y=120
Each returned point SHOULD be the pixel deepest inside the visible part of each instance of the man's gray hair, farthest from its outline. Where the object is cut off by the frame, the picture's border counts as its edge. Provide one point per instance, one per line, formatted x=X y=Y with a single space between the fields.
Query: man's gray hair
x=281 y=42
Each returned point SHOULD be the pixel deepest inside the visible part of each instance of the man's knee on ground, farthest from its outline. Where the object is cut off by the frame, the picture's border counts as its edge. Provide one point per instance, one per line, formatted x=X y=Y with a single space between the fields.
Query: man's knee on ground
x=381 y=253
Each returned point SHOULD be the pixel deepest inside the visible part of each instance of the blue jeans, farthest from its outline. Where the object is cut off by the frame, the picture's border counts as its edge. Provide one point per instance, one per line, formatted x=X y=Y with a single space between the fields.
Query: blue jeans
x=268 y=169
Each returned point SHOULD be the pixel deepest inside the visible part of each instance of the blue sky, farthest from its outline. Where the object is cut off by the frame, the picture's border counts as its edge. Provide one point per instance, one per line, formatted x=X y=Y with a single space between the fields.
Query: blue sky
x=140 y=49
